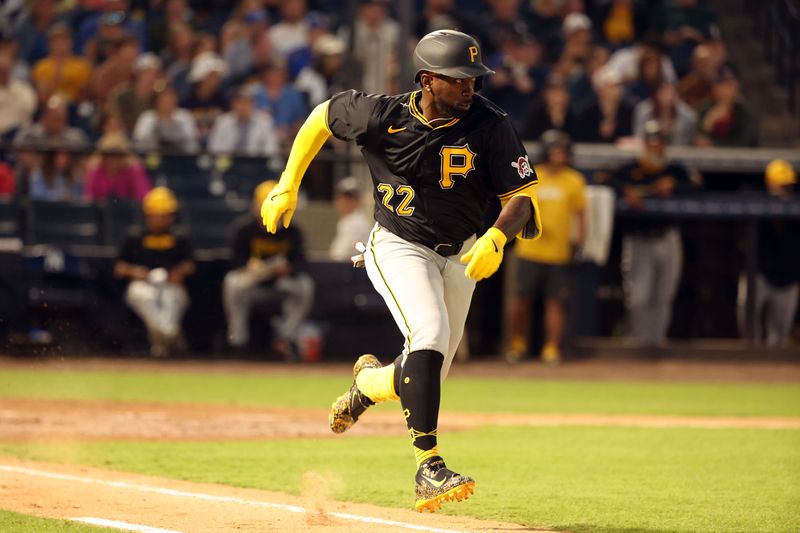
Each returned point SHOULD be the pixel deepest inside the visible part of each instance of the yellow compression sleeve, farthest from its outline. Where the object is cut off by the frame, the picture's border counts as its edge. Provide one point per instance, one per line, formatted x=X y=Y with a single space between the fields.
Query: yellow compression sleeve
x=312 y=135
x=533 y=229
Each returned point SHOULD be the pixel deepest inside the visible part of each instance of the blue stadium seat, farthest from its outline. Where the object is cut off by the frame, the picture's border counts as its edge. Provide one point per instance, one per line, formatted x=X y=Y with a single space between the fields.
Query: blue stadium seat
x=247 y=172
x=9 y=218
x=189 y=186
x=63 y=223
x=211 y=221
x=119 y=216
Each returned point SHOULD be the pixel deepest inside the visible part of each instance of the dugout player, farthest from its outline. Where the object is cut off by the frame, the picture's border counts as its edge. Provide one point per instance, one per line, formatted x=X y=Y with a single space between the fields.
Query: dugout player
x=157 y=262
x=436 y=156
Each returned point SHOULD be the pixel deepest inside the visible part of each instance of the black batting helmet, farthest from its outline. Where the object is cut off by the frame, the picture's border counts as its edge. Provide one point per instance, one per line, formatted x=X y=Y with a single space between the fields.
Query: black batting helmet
x=450 y=53
x=554 y=140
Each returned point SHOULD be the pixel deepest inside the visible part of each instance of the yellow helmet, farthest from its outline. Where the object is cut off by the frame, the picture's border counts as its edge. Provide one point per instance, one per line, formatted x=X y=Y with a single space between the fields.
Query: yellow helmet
x=159 y=201
x=262 y=191
x=780 y=173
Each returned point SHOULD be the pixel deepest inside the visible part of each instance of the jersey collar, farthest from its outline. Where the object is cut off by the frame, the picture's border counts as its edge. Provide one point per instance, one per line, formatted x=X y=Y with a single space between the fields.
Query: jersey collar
x=416 y=113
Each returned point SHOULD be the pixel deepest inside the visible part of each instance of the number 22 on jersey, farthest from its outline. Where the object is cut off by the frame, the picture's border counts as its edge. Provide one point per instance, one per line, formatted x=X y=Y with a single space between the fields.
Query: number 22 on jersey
x=406 y=193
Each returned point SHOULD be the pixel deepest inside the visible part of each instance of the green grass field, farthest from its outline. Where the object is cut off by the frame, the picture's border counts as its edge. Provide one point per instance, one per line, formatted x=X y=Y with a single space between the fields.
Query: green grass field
x=580 y=479
x=20 y=523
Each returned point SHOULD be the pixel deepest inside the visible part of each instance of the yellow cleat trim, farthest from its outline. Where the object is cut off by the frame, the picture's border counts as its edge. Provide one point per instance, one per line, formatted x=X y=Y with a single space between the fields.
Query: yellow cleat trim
x=459 y=493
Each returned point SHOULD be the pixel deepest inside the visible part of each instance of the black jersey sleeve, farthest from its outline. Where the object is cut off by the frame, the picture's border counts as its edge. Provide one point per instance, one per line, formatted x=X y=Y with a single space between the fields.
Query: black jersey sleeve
x=509 y=166
x=350 y=114
x=129 y=248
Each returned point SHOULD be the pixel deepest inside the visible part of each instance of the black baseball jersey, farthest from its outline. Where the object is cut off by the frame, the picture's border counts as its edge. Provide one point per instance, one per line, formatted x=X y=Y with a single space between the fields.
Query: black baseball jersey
x=155 y=250
x=251 y=241
x=432 y=181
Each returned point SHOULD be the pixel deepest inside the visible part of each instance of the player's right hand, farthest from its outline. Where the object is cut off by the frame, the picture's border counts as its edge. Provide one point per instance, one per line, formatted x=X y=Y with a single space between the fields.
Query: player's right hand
x=281 y=202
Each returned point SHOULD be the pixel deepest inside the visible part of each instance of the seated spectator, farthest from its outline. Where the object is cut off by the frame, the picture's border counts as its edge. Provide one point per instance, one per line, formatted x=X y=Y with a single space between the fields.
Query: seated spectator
x=114 y=172
x=577 y=59
x=243 y=130
x=685 y=24
x=132 y=99
x=621 y=22
x=157 y=262
x=676 y=119
x=291 y=33
x=610 y=116
x=553 y=110
x=114 y=71
x=61 y=71
x=8 y=184
x=778 y=279
x=166 y=127
x=652 y=251
x=158 y=29
x=376 y=43
x=113 y=14
x=724 y=120
x=206 y=100
x=177 y=58
x=31 y=33
x=650 y=77
x=698 y=84
x=323 y=77
x=53 y=128
x=353 y=225
x=58 y=177
x=17 y=99
x=282 y=101
x=236 y=51
x=266 y=265
x=20 y=70
x=625 y=62
x=543 y=264
x=504 y=18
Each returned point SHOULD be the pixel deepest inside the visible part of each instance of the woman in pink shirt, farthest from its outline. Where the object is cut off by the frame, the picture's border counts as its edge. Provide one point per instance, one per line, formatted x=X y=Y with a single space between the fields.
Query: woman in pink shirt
x=114 y=172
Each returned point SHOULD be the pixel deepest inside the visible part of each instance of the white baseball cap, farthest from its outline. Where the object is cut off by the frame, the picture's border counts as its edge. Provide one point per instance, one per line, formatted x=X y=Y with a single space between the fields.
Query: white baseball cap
x=576 y=22
x=206 y=63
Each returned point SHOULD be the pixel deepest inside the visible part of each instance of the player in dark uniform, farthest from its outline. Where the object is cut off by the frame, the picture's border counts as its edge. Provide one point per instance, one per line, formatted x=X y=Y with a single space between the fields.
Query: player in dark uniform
x=436 y=155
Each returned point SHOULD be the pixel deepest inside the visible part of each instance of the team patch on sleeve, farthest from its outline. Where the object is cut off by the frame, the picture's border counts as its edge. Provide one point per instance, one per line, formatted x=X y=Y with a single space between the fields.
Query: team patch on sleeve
x=523 y=166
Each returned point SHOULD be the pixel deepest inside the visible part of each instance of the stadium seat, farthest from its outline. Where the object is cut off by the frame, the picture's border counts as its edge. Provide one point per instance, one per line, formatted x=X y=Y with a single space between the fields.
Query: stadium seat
x=119 y=216
x=63 y=223
x=211 y=222
x=189 y=185
x=9 y=218
x=247 y=172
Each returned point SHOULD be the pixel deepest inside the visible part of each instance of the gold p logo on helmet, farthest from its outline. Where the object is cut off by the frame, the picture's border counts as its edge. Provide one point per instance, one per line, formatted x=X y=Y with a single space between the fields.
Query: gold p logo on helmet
x=159 y=201
x=473 y=53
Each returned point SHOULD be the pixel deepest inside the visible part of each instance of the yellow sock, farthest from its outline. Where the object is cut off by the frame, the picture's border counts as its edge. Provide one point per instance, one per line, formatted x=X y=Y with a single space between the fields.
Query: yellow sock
x=377 y=384
x=423 y=455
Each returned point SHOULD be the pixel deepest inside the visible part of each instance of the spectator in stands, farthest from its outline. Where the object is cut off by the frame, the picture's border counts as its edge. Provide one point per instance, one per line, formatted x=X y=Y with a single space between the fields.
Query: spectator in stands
x=31 y=34
x=114 y=172
x=724 y=120
x=20 y=70
x=177 y=58
x=443 y=15
x=777 y=283
x=625 y=62
x=698 y=84
x=53 y=127
x=266 y=266
x=650 y=77
x=543 y=265
x=553 y=110
x=206 y=100
x=353 y=225
x=546 y=22
x=138 y=95
x=57 y=177
x=114 y=71
x=323 y=76
x=609 y=117
x=291 y=33
x=236 y=51
x=8 y=183
x=621 y=22
x=166 y=127
x=376 y=40
x=174 y=12
x=282 y=101
x=503 y=18
x=115 y=15
x=61 y=71
x=244 y=130
x=573 y=61
x=676 y=119
x=157 y=262
x=685 y=24
x=652 y=253
x=17 y=99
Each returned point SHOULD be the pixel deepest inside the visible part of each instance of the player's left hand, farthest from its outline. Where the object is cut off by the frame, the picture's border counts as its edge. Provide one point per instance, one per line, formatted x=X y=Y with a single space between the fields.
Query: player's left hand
x=485 y=256
x=281 y=202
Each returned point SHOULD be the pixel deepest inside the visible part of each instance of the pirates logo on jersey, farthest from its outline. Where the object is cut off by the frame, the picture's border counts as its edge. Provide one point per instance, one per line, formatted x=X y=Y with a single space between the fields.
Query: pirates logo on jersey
x=456 y=161
x=523 y=166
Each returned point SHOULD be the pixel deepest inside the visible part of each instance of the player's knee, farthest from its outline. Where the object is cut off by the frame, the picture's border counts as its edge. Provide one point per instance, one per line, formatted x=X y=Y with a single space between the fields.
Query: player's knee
x=434 y=337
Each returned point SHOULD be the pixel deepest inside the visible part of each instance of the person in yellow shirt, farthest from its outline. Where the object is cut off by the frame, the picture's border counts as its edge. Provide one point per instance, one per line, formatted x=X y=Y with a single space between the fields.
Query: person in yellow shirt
x=61 y=72
x=543 y=265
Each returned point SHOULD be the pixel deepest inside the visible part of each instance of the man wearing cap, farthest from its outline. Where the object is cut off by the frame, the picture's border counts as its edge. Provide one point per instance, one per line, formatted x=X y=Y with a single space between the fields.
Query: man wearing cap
x=61 y=71
x=652 y=252
x=353 y=225
x=157 y=262
x=243 y=130
x=266 y=266
x=52 y=128
x=778 y=279
x=437 y=155
x=138 y=95
x=166 y=127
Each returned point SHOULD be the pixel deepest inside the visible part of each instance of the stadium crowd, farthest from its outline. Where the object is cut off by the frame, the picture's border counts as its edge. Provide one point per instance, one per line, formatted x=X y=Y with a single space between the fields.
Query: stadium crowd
x=89 y=88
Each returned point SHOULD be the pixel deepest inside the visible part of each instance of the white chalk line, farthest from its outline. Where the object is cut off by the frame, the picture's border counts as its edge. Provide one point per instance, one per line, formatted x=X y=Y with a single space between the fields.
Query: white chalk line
x=216 y=498
x=125 y=526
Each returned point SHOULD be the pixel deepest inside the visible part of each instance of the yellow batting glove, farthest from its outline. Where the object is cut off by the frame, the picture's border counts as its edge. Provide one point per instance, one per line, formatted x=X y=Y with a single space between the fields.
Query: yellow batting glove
x=281 y=202
x=485 y=256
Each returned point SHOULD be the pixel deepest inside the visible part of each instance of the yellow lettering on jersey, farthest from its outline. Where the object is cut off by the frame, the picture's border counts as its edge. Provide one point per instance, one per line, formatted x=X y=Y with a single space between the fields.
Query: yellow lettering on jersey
x=473 y=52
x=260 y=247
x=388 y=192
x=456 y=161
x=404 y=210
x=158 y=242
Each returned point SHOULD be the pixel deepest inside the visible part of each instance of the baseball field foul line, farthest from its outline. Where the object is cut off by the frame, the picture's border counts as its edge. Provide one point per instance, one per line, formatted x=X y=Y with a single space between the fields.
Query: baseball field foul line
x=125 y=526
x=214 y=498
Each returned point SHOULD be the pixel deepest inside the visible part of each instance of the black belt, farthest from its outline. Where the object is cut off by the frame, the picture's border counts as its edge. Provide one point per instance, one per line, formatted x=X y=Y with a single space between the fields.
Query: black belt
x=446 y=249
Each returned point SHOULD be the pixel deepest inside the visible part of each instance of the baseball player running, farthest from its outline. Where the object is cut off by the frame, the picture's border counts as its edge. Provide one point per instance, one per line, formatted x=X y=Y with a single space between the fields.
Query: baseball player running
x=435 y=155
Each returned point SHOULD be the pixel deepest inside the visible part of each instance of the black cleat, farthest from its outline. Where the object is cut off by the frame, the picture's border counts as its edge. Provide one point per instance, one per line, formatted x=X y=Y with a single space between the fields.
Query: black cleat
x=352 y=404
x=436 y=484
